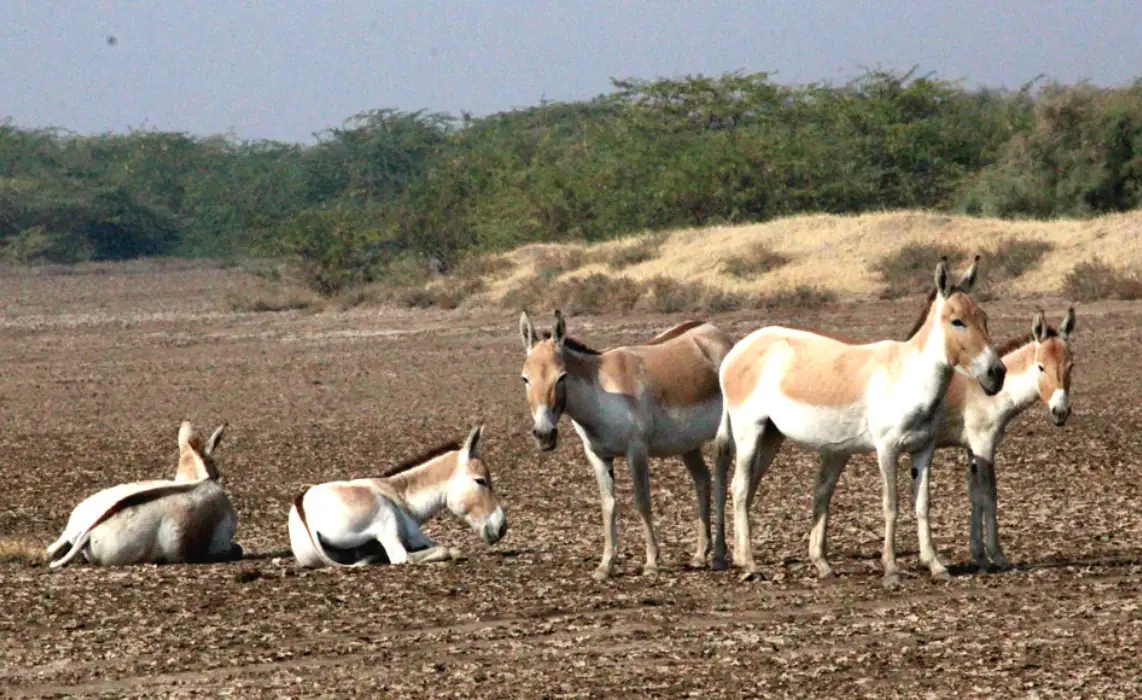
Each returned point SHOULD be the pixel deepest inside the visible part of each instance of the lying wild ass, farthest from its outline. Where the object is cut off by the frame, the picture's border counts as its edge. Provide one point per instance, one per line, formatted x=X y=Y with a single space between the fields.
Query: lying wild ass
x=189 y=519
x=839 y=399
x=657 y=399
x=377 y=521
x=1038 y=367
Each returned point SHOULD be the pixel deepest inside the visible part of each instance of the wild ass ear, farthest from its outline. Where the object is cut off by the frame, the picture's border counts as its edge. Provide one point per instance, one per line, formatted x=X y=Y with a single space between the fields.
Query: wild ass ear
x=215 y=437
x=1068 y=326
x=187 y=438
x=942 y=284
x=1039 y=327
x=527 y=331
x=968 y=280
x=560 y=333
x=472 y=444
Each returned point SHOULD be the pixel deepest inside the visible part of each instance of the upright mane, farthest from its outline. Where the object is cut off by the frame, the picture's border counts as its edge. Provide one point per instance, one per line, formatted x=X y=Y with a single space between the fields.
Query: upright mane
x=923 y=314
x=673 y=332
x=1025 y=339
x=573 y=344
x=423 y=457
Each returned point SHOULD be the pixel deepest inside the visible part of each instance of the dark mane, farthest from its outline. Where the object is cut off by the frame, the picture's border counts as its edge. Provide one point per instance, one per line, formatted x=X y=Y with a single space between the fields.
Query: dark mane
x=1019 y=341
x=422 y=458
x=673 y=332
x=573 y=344
x=923 y=314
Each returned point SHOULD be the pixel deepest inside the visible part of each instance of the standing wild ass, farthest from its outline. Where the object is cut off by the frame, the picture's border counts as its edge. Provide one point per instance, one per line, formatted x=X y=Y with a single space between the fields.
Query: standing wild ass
x=658 y=399
x=156 y=521
x=1038 y=367
x=839 y=399
x=377 y=521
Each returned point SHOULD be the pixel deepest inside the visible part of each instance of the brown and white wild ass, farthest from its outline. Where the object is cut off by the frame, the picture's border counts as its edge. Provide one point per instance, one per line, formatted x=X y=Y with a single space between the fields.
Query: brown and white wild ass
x=839 y=399
x=377 y=521
x=1038 y=367
x=189 y=519
x=657 y=399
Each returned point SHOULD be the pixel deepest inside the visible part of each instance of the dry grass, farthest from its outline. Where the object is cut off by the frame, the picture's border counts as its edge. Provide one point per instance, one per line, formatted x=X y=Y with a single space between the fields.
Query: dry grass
x=909 y=270
x=1094 y=280
x=756 y=260
x=840 y=254
x=268 y=302
x=20 y=550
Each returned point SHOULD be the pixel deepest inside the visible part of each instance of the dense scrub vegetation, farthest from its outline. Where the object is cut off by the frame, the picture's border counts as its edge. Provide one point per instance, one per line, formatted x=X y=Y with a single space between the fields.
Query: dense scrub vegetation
x=391 y=185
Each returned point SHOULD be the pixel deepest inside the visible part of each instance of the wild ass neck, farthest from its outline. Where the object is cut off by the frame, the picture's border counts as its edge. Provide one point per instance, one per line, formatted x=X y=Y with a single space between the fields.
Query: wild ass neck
x=423 y=490
x=582 y=386
x=926 y=369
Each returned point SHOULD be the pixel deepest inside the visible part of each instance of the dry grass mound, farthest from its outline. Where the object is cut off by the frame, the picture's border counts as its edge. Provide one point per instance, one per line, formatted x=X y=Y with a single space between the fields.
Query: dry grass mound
x=1094 y=280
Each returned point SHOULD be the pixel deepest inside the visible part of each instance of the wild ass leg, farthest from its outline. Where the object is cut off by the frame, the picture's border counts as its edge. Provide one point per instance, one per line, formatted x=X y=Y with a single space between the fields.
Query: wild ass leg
x=422 y=550
x=975 y=492
x=827 y=476
x=721 y=471
x=700 y=475
x=921 y=481
x=990 y=516
x=755 y=453
x=605 y=475
x=640 y=473
x=886 y=458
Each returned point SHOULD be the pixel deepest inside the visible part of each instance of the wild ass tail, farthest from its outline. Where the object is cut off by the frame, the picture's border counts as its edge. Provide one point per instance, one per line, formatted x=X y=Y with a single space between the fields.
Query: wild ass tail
x=311 y=536
x=129 y=501
x=725 y=438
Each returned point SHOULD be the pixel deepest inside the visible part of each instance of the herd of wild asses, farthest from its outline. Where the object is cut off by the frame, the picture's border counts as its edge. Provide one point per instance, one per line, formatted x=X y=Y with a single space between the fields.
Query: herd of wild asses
x=946 y=385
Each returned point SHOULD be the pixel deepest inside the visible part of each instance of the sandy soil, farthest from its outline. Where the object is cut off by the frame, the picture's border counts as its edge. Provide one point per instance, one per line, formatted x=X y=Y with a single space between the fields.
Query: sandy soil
x=97 y=370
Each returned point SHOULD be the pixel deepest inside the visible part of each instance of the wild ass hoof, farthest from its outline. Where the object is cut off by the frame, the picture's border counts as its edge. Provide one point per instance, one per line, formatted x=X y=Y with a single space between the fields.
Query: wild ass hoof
x=650 y=570
x=825 y=572
x=602 y=573
x=456 y=555
x=719 y=564
x=1002 y=563
x=941 y=576
x=750 y=574
x=891 y=580
x=697 y=562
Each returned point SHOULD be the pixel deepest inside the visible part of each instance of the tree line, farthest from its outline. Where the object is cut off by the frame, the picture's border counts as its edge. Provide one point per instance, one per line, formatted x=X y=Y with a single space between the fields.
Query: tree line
x=650 y=154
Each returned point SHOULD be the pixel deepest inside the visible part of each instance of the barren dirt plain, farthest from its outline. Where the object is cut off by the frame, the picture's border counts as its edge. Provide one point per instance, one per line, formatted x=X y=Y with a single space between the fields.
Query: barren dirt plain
x=98 y=368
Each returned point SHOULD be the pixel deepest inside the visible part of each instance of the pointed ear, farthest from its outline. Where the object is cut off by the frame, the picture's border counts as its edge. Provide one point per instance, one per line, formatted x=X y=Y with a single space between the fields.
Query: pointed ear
x=942 y=283
x=212 y=441
x=185 y=435
x=560 y=333
x=968 y=280
x=1068 y=326
x=1039 y=327
x=472 y=444
x=527 y=331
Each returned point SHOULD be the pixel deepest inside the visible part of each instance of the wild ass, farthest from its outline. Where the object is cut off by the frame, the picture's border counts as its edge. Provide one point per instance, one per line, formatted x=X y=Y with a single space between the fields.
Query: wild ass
x=839 y=399
x=657 y=399
x=1038 y=367
x=189 y=519
x=377 y=521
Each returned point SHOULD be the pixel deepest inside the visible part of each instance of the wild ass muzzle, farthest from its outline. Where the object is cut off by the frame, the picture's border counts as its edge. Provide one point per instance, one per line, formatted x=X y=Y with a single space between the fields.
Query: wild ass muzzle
x=188 y=519
x=839 y=399
x=657 y=399
x=1039 y=367
x=377 y=521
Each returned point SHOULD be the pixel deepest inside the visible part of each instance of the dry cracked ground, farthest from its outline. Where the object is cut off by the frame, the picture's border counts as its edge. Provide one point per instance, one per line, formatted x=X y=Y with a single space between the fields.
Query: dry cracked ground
x=97 y=370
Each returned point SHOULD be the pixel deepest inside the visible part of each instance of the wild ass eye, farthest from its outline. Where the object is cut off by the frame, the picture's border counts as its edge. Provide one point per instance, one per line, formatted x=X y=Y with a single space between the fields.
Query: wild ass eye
x=481 y=481
x=524 y=380
x=1042 y=368
x=959 y=324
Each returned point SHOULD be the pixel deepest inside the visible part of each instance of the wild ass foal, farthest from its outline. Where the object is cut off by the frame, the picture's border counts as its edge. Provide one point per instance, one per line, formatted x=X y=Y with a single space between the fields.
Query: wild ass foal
x=1038 y=367
x=657 y=399
x=839 y=399
x=377 y=521
x=189 y=519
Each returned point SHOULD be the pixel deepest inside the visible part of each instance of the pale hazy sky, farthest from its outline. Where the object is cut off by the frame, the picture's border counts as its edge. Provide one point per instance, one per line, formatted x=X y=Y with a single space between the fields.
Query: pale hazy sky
x=284 y=69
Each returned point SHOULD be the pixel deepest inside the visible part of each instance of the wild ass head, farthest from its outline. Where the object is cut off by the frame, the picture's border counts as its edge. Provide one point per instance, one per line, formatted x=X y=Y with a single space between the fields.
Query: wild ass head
x=544 y=377
x=195 y=456
x=963 y=326
x=1053 y=363
x=470 y=495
